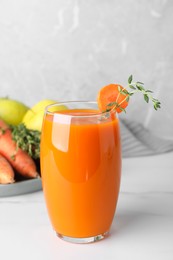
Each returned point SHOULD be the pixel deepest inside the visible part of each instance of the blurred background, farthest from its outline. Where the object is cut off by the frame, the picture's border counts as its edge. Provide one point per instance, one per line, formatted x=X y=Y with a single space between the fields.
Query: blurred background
x=69 y=49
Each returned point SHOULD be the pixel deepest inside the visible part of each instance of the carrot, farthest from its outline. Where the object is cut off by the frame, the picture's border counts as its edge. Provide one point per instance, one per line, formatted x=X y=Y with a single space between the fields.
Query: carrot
x=6 y=171
x=3 y=127
x=112 y=94
x=18 y=158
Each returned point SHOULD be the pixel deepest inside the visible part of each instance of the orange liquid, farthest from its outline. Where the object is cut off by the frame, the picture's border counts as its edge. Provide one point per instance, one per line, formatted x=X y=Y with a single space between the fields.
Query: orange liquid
x=81 y=168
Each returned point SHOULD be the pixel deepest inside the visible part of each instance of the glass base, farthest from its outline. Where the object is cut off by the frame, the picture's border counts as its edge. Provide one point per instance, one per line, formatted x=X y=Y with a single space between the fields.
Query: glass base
x=82 y=240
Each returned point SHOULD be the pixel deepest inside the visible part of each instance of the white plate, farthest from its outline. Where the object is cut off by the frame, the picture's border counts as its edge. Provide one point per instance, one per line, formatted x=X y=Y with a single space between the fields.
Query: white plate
x=21 y=187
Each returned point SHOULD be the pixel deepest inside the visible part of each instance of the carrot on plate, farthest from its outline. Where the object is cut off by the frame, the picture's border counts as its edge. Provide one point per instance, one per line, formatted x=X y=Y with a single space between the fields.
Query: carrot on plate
x=18 y=158
x=6 y=171
x=112 y=96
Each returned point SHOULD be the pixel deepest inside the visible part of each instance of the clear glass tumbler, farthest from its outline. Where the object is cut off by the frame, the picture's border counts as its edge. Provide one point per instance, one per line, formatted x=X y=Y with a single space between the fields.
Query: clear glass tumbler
x=80 y=169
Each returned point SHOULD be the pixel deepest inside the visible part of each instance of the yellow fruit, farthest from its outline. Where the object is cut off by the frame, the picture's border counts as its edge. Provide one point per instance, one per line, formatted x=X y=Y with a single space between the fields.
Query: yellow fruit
x=40 y=106
x=29 y=114
x=35 y=122
x=12 y=111
x=34 y=117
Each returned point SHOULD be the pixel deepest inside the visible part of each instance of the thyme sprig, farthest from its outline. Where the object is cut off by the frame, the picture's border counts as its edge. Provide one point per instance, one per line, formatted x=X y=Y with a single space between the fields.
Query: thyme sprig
x=26 y=139
x=135 y=87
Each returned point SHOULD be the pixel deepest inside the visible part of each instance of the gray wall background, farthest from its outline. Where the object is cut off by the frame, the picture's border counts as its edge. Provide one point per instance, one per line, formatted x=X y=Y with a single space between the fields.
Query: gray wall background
x=68 y=49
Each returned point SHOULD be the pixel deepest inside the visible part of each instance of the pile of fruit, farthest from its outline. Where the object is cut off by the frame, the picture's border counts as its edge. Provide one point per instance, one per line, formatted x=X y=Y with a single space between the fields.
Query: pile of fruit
x=20 y=129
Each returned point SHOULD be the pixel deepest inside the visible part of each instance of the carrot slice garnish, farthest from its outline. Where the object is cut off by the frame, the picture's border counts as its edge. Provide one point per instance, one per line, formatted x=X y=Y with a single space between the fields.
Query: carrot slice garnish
x=115 y=97
x=112 y=96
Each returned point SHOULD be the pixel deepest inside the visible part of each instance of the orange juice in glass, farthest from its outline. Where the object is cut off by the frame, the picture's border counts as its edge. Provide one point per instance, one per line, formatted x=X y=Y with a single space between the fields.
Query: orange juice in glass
x=80 y=169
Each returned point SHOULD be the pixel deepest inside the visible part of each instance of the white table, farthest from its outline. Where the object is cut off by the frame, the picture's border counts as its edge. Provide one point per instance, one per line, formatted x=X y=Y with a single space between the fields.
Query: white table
x=142 y=227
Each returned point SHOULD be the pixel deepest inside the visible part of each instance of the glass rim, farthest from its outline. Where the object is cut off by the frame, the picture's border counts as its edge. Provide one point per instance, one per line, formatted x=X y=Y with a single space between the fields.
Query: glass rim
x=99 y=113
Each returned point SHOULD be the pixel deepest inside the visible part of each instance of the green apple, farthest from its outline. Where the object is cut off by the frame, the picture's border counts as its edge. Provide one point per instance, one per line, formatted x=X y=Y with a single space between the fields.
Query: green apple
x=12 y=111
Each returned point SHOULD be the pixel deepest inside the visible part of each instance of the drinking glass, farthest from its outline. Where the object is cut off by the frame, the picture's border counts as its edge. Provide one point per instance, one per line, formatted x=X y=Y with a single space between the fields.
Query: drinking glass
x=80 y=169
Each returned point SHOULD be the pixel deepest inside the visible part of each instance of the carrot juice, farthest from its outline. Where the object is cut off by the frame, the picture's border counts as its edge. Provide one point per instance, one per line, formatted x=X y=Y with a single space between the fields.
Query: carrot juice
x=81 y=170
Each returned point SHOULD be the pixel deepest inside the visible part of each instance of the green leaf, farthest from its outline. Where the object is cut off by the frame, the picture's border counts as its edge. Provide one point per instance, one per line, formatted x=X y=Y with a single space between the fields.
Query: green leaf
x=146 y=98
x=130 y=79
x=140 y=87
x=127 y=98
x=26 y=139
x=149 y=91
x=119 y=89
x=141 y=83
x=124 y=92
x=111 y=104
x=155 y=106
x=131 y=86
x=122 y=109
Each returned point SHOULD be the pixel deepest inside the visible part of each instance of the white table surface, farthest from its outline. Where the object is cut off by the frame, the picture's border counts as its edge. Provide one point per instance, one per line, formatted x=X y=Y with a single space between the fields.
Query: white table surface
x=142 y=227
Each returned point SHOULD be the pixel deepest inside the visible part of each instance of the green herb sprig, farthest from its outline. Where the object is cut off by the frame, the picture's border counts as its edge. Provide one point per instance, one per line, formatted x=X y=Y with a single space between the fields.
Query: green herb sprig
x=26 y=139
x=136 y=87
